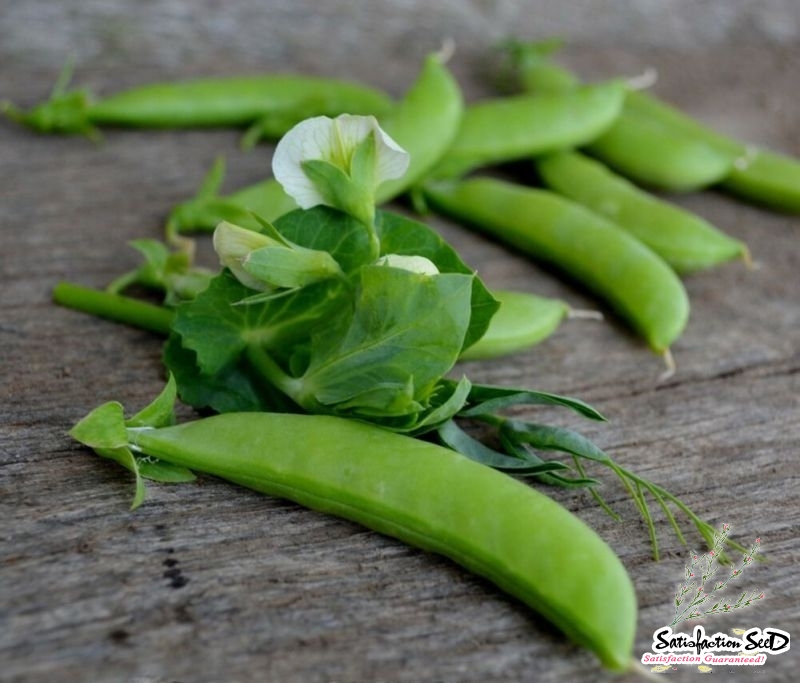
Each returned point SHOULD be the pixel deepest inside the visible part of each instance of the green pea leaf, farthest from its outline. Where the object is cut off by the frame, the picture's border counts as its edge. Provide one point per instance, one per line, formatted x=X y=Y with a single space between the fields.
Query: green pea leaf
x=520 y=450
x=326 y=229
x=218 y=332
x=125 y=458
x=553 y=438
x=163 y=270
x=231 y=389
x=104 y=431
x=166 y=472
x=445 y=401
x=148 y=274
x=456 y=438
x=160 y=412
x=401 y=235
x=485 y=399
x=405 y=327
x=104 y=427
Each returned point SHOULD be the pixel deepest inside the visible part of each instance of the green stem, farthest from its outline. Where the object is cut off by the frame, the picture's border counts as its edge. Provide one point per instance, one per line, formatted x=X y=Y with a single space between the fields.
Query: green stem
x=597 y=497
x=121 y=309
x=267 y=366
x=701 y=526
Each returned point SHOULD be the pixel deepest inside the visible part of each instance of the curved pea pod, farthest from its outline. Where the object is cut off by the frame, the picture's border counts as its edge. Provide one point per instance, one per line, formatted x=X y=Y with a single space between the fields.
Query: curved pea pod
x=510 y=128
x=636 y=282
x=421 y=493
x=756 y=174
x=641 y=146
x=523 y=320
x=766 y=178
x=272 y=103
x=684 y=240
x=655 y=155
x=656 y=144
x=425 y=123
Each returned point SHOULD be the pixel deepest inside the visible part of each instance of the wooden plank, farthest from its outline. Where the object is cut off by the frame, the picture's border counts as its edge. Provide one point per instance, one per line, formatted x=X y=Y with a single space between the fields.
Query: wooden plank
x=209 y=582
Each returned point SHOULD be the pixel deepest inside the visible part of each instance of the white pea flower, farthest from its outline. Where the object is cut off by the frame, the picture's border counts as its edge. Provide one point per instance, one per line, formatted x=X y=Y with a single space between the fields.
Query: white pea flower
x=356 y=155
x=416 y=264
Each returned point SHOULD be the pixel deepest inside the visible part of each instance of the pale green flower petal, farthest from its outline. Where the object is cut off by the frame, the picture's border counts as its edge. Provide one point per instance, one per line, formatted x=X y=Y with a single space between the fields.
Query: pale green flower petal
x=234 y=245
x=416 y=264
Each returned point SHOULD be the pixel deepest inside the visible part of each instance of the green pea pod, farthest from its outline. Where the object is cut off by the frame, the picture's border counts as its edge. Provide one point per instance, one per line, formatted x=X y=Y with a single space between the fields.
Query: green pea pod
x=684 y=240
x=656 y=144
x=628 y=275
x=758 y=175
x=273 y=103
x=510 y=128
x=766 y=178
x=522 y=321
x=645 y=150
x=424 y=123
x=418 y=492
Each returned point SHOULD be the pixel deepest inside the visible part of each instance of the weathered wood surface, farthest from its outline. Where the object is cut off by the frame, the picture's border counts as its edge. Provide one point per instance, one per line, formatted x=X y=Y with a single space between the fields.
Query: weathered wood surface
x=209 y=582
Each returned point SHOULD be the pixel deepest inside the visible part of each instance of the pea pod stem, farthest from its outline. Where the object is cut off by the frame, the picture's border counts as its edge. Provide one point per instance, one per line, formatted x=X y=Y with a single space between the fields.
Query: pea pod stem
x=122 y=309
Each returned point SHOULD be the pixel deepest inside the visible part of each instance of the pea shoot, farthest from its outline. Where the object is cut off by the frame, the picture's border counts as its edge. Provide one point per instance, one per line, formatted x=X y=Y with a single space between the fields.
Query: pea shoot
x=345 y=310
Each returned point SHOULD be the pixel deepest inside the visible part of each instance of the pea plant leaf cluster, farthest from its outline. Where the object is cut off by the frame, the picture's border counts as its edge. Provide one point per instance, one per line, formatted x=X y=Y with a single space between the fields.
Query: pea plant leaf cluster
x=346 y=310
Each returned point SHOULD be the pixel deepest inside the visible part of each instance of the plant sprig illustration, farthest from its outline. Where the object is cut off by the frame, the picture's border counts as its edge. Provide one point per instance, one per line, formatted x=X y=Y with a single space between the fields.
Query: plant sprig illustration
x=692 y=599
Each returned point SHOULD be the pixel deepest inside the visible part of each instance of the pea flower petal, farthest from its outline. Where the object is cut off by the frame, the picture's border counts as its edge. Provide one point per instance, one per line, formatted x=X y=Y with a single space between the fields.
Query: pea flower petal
x=334 y=141
x=416 y=264
x=233 y=245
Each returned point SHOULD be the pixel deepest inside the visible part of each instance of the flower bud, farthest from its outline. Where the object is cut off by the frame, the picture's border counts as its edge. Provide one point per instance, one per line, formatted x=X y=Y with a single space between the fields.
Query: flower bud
x=416 y=264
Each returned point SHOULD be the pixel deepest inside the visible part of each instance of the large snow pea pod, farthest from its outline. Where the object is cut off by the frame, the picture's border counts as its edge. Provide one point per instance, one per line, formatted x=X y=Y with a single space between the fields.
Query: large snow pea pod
x=509 y=128
x=271 y=104
x=423 y=494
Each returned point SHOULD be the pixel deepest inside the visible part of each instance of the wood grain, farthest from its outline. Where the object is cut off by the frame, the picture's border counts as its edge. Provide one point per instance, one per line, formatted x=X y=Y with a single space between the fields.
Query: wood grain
x=209 y=582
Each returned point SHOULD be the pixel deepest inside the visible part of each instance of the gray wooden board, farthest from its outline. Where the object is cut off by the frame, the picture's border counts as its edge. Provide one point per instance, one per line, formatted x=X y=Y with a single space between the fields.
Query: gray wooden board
x=210 y=582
